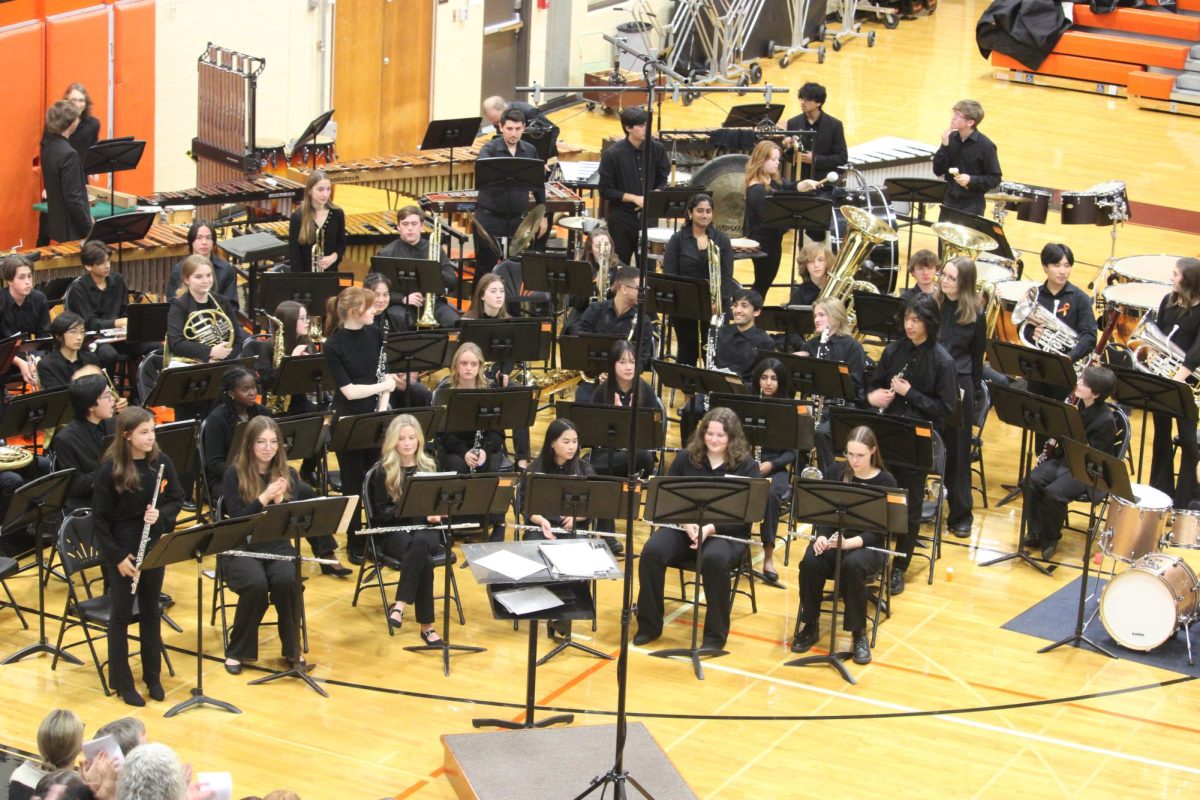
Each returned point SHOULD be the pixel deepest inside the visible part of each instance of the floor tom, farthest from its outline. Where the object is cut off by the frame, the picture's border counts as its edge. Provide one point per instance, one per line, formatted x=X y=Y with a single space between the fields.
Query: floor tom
x=1135 y=529
x=1008 y=294
x=1111 y=202
x=1185 y=530
x=1132 y=301
x=1143 y=606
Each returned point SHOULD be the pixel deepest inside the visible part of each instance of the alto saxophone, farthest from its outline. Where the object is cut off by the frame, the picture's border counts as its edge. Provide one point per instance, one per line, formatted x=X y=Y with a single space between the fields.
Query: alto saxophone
x=276 y=403
x=426 y=319
x=318 y=248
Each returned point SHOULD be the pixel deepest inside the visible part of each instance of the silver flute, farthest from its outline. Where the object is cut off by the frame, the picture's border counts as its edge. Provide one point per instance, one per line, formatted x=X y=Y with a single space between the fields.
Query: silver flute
x=739 y=539
x=583 y=531
x=425 y=527
x=813 y=538
x=277 y=557
x=141 y=553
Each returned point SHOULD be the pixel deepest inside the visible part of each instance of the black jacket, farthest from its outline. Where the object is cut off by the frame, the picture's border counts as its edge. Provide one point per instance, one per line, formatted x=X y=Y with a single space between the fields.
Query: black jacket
x=621 y=173
x=849 y=351
x=601 y=318
x=1027 y=30
x=55 y=371
x=117 y=516
x=235 y=506
x=1074 y=308
x=68 y=215
x=739 y=350
x=510 y=204
x=933 y=396
x=30 y=316
x=218 y=437
x=224 y=279
x=828 y=146
x=183 y=307
x=1100 y=427
x=683 y=257
x=964 y=343
x=683 y=467
x=1187 y=335
x=300 y=255
x=99 y=309
x=974 y=156
x=79 y=446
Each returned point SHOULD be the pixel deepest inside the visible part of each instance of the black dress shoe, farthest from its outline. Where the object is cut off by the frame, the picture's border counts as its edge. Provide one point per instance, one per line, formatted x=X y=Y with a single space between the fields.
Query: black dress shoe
x=355 y=558
x=771 y=576
x=233 y=669
x=805 y=639
x=190 y=507
x=712 y=644
x=862 y=649
x=155 y=690
x=643 y=638
x=132 y=698
x=896 y=585
x=1049 y=550
x=615 y=546
x=962 y=530
x=337 y=570
x=1031 y=541
x=388 y=561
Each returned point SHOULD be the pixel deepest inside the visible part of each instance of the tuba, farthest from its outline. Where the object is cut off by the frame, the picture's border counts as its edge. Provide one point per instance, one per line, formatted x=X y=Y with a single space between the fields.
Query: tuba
x=276 y=403
x=866 y=231
x=426 y=319
x=961 y=241
x=1057 y=336
x=209 y=327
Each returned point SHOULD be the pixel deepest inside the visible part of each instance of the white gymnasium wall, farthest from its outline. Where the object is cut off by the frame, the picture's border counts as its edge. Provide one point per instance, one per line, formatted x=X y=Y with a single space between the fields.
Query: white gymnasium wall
x=286 y=33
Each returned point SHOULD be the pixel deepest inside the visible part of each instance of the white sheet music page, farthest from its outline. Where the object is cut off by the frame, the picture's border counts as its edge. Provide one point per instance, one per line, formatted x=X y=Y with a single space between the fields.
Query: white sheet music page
x=529 y=600
x=510 y=565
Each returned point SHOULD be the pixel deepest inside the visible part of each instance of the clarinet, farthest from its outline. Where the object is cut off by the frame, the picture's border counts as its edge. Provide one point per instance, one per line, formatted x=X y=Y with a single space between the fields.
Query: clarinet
x=141 y=553
x=384 y=402
x=478 y=444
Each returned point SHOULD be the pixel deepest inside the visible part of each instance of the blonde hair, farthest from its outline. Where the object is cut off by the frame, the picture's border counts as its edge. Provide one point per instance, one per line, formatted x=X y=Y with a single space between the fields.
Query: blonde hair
x=969 y=301
x=60 y=739
x=755 y=168
x=308 y=215
x=188 y=269
x=835 y=312
x=480 y=380
x=389 y=460
x=808 y=254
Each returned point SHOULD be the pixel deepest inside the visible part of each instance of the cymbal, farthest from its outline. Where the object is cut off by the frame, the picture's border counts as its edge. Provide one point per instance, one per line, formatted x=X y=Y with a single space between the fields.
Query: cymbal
x=1005 y=197
x=481 y=233
x=526 y=231
x=585 y=224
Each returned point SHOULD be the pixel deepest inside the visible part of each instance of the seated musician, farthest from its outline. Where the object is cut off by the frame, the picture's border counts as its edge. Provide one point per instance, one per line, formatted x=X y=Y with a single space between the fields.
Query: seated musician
x=202 y=242
x=1179 y=320
x=80 y=444
x=317 y=226
x=771 y=381
x=838 y=344
x=237 y=402
x=923 y=266
x=616 y=316
x=617 y=390
x=23 y=309
x=410 y=551
x=500 y=211
x=99 y=297
x=412 y=244
x=389 y=319
x=56 y=367
x=1069 y=304
x=687 y=255
x=196 y=297
x=259 y=476
x=469 y=451
x=738 y=345
x=598 y=251
x=718 y=448
x=1050 y=486
x=294 y=320
x=864 y=466
x=813 y=265
x=915 y=378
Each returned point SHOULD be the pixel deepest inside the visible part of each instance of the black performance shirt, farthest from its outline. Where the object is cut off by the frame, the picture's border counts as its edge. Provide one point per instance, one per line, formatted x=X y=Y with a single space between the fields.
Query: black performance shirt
x=621 y=172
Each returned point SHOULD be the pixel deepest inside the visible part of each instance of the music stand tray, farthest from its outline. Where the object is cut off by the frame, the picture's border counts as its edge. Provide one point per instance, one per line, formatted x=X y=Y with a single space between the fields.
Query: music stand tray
x=122 y=228
x=450 y=133
x=192 y=383
x=490 y=409
x=587 y=352
x=505 y=340
x=26 y=414
x=786 y=320
x=904 y=442
x=302 y=375
x=751 y=115
x=694 y=380
x=1031 y=364
x=797 y=210
x=670 y=202
x=606 y=427
x=310 y=289
x=770 y=421
x=982 y=225
x=408 y=275
x=813 y=377
x=879 y=315
x=1153 y=394
x=915 y=190
x=508 y=173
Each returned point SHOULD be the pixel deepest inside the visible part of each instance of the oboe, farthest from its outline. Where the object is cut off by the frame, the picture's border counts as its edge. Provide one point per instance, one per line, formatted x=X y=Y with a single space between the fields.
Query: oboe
x=141 y=553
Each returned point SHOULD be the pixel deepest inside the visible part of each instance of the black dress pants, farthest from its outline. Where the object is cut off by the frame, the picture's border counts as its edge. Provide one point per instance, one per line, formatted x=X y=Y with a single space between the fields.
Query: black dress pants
x=958 y=459
x=1048 y=490
x=781 y=489
x=669 y=547
x=415 y=550
x=912 y=481
x=767 y=267
x=857 y=567
x=1180 y=486
x=624 y=227
x=353 y=465
x=258 y=582
x=689 y=335
x=120 y=590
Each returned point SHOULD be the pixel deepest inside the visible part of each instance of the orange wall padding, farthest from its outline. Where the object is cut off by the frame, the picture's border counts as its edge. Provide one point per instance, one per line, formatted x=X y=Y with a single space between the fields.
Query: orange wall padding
x=133 y=87
x=77 y=51
x=21 y=54
x=1136 y=20
x=1086 y=69
x=19 y=11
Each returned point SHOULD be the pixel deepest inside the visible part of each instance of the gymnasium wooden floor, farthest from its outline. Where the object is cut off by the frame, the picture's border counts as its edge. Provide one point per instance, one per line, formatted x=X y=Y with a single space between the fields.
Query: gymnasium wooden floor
x=953 y=706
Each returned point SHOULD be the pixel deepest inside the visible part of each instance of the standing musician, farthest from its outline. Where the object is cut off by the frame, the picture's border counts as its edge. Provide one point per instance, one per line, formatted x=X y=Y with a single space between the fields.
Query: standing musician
x=771 y=381
x=352 y=352
x=829 y=314
x=68 y=213
x=971 y=156
x=410 y=551
x=318 y=225
x=864 y=466
x=80 y=444
x=616 y=316
x=196 y=311
x=762 y=180
x=1179 y=319
x=500 y=211
x=412 y=244
x=410 y=392
x=122 y=515
x=962 y=330
x=56 y=367
x=1050 y=486
x=88 y=132
x=813 y=264
x=259 y=476
x=718 y=448
x=915 y=378
x=687 y=255
x=99 y=297
x=202 y=242
x=23 y=309
x=622 y=180
x=923 y=266
x=825 y=151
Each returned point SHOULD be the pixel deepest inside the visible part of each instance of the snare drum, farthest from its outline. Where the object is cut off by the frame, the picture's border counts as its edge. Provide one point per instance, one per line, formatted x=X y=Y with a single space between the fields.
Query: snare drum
x=1033 y=211
x=1143 y=606
x=993 y=269
x=1008 y=294
x=1132 y=301
x=1185 y=530
x=270 y=157
x=1135 y=529
x=321 y=151
x=1144 y=269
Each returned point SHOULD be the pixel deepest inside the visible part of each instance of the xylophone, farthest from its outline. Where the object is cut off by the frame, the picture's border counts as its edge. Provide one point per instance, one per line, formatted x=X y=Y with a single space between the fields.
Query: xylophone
x=405 y=174
x=144 y=263
x=559 y=199
x=892 y=157
x=258 y=190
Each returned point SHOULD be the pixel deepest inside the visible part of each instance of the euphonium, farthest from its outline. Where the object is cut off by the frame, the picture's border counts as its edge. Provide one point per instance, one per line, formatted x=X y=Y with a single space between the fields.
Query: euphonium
x=209 y=327
x=1153 y=351
x=318 y=249
x=865 y=231
x=426 y=319
x=277 y=404
x=1057 y=336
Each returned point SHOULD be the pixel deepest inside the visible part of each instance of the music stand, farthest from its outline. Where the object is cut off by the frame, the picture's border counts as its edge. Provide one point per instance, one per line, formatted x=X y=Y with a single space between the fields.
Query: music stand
x=147 y=322
x=555 y=276
x=694 y=380
x=9 y=346
x=192 y=383
x=453 y=498
x=786 y=319
x=304 y=375
x=878 y=315
x=416 y=352
x=360 y=431
x=26 y=414
x=768 y=420
x=310 y=134
x=113 y=156
x=676 y=296
x=450 y=133
x=797 y=211
x=602 y=427
x=670 y=202
x=842 y=505
x=294 y=520
x=509 y=340
x=587 y=352
x=751 y=115
x=490 y=409
x=122 y=228
x=30 y=504
x=1104 y=474
x=1153 y=394
x=408 y=275
x=1039 y=415
x=918 y=192
x=700 y=501
x=310 y=289
x=196 y=543
x=507 y=174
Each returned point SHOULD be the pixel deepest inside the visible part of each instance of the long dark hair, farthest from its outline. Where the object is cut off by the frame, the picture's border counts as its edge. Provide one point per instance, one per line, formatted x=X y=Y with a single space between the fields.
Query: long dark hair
x=124 y=472
x=244 y=463
x=1189 y=288
x=785 y=378
x=738 y=450
x=288 y=312
x=619 y=350
x=476 y=309
x=924 y=308
x=554 y=432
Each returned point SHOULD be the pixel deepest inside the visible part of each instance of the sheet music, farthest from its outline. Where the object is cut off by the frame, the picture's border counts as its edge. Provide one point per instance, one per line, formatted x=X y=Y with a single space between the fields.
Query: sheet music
x=529 y=600
x=510 y=565
x=576 y=559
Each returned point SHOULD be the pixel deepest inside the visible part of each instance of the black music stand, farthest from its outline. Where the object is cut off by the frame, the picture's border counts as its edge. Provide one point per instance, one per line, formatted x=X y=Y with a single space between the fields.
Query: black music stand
x=192 y=383
x=304 y=375
x=509 y=340
x=790 y=320
x=113 y=156
x=252 y=249
x=508 y=174
x=310 y=289
x=797 y=211
x=879 y=315
x=147 y=322
x=1039 y=415
x=122 y=228
x=818 y=377
x=416 y=352
x=676 y=296
x=670 y=202
x=490 y=409
x=453 y=498
x=1033 y=365
x=9 y=347
x=30 y=504
x=768 y=420
x=587 y=352
x=841 y=505
x=601 y=427
x=1104 y=474
x=751 y=115
x=295 y=520
x=196 y=543
x=310 y=134
x=1153 y=394
x=701 y=501
x=26 y=414
x=450 y=133
x=408 y=275
x=360 y=431
x=694 y=380
x=919 y=192
x=555 y=276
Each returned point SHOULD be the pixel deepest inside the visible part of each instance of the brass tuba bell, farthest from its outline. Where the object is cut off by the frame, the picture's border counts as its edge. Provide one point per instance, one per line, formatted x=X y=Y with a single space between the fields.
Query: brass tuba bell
x=865 y=231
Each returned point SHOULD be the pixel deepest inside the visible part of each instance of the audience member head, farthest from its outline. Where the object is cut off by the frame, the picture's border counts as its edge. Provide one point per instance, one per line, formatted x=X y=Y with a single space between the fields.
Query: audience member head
x=151 y=772
x=60 y=739
x=130 y=732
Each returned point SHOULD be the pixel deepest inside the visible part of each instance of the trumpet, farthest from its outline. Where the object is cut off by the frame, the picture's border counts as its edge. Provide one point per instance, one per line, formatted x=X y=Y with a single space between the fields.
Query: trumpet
x=318 y=249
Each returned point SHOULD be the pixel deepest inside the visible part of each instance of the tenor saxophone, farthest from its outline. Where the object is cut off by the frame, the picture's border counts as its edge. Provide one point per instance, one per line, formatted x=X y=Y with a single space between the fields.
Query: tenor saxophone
x=276 y=403
x=426 y=319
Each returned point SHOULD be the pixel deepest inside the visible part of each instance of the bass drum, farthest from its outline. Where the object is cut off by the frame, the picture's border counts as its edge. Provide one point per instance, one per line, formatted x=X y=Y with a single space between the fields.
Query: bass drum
x=885 y=256
x=724 y=179
x=1144 y=605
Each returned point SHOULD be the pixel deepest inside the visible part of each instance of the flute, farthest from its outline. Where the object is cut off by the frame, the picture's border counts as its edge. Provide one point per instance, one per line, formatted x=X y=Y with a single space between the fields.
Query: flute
x=141 y=553
x=813 y=538
x=278 y=557
x=517 y=527
x=425 y=527
x=739 y=539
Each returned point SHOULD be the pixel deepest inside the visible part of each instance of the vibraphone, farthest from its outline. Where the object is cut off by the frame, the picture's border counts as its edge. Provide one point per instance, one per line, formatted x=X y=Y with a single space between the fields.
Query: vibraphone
x=405 y=174
x=559 y=199
x=273 y=194
x=892 y=157
x=366 y=234
x=225 y=119
x=689 y=148
x=145 y=263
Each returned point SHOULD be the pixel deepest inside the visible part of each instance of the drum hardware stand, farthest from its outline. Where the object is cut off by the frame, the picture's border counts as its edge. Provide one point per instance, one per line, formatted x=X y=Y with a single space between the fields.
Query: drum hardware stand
x=1118 y=212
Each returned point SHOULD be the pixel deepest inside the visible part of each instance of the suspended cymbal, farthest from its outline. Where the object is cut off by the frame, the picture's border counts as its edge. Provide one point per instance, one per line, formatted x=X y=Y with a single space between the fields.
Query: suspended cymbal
x=585 y=224
x=481 y=233
x=1005 y=197
x=963 y=237
x=526 y=231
